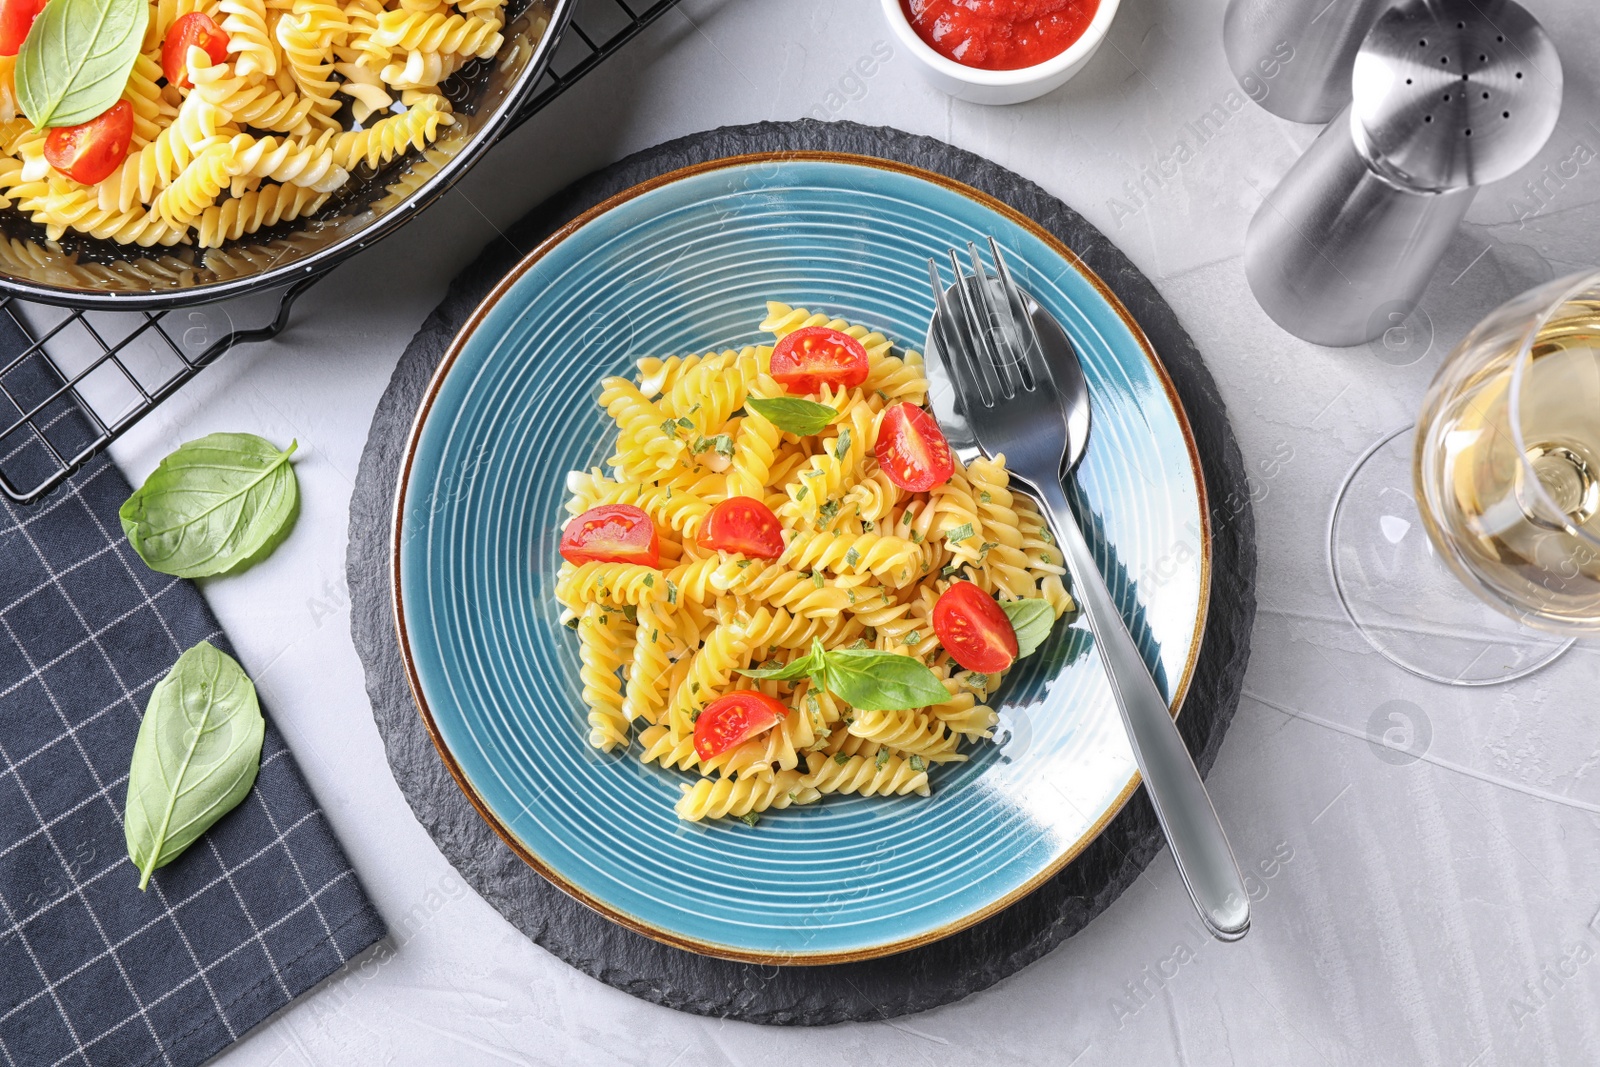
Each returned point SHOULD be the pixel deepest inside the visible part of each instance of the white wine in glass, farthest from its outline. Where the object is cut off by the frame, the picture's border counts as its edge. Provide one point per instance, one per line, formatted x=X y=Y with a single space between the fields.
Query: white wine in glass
x=1507 y=462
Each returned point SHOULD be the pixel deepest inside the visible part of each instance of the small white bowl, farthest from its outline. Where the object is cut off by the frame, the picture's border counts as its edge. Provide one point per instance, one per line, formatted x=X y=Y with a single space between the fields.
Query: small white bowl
x=1000 y=86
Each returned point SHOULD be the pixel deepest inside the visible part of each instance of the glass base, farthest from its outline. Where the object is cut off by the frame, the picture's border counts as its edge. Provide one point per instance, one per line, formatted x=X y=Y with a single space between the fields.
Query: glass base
x=1400 y=595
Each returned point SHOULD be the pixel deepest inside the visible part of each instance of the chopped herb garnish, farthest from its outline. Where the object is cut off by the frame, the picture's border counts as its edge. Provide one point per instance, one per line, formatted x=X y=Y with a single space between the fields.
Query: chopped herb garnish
x=670 y=428
x=749 y=818
x=604 y=619
x=630 y=613
x=882 y=395
x=829 y=509
x=694 y=687
x=649 y=581
x=983 y=549
x=655 y=636
x=851 y=593
x=572 y=624
x=851 y=558
x=841 y=446
x=1044 y=535
x=672 y=592
x=883 y=758
x=816 y=579
x=840 y=758
x=983 y=496
x=800 y=493
x=960 y=533
x=949 y=569
x=866 y=524
x=743 y=563
x=913 y=637
x=905 y=516
x=685 y=423
x=813 y=473
x=916 y=537
x=723 y=443
x=861 y=642
x=917 y=764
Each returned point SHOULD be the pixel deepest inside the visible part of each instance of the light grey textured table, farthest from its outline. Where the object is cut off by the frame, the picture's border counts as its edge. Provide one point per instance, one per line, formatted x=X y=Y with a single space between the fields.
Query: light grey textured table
x=1431 y=906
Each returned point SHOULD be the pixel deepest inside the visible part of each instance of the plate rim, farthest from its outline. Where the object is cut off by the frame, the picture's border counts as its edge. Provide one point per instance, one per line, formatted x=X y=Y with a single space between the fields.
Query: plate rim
x=431 y=393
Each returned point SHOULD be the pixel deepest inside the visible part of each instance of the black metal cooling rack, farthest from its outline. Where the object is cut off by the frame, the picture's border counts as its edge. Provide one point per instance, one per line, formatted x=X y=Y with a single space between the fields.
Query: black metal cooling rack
x=71 y=382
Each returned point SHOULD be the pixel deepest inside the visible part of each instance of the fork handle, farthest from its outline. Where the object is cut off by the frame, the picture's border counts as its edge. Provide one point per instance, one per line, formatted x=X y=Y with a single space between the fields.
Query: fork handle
x=1199 y=845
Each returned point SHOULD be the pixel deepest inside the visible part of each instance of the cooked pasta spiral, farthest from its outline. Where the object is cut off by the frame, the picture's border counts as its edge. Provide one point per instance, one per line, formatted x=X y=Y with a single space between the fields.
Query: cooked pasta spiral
x=413 y=31
x=885 y=774
x=600 y=652
x=715 y=798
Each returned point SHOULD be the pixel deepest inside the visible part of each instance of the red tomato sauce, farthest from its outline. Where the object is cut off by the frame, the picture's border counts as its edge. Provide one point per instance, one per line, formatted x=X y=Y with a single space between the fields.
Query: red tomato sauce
x=999 y=34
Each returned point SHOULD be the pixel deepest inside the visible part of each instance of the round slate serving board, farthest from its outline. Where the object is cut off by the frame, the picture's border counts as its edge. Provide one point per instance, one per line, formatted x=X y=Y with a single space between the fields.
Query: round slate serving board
x=923 y=978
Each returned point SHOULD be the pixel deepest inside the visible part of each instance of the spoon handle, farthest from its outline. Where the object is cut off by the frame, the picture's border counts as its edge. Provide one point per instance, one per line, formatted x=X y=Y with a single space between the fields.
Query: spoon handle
x=1199 y=845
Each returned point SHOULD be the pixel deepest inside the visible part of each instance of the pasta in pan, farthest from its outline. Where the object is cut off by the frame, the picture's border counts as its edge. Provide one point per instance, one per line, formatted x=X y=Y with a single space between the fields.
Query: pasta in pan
x=680 y=622
x=241 y=114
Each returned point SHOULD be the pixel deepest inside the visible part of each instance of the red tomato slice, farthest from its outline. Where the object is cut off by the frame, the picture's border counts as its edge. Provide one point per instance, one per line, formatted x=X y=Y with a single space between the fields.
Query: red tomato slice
x=16 y=19
x=807 y=359
x=912 y=450
x=194 y=29
x=743 y=524
x=612 y=533
x=90 y=152
x=734 y=719
x=974 y=630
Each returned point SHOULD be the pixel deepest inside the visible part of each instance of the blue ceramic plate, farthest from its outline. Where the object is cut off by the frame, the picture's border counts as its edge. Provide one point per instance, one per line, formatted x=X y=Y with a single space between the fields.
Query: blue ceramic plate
x=685 y=263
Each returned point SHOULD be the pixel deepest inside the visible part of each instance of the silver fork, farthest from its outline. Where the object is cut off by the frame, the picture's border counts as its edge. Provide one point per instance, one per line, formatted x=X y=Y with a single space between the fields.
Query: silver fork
x=1015 y=406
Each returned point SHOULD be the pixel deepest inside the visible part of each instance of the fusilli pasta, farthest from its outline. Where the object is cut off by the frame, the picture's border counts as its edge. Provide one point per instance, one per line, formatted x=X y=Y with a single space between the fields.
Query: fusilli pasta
x=260 y=135
x=863 y=565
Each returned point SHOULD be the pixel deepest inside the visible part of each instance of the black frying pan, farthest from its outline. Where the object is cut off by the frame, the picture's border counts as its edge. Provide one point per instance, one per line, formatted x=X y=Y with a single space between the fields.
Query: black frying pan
x=84 y=272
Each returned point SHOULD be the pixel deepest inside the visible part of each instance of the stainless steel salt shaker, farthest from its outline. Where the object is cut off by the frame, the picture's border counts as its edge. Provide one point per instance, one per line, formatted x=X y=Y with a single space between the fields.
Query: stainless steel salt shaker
x=1447 y=95
x=1293 y=57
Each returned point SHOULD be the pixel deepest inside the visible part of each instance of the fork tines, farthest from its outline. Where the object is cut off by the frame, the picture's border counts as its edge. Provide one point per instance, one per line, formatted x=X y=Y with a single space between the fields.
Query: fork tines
x=989 y=340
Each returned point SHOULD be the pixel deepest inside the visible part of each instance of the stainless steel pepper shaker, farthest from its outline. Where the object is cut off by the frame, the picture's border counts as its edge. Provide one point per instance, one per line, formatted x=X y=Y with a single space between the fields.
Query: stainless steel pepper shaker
x=1446 y=95
x=1293 y=57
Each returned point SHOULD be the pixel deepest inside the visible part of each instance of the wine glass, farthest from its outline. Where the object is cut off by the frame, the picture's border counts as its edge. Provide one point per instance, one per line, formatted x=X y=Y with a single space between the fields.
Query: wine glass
x=1504 y=477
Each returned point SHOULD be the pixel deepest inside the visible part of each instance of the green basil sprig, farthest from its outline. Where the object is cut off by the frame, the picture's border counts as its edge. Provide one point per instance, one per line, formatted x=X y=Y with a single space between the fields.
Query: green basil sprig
x=1032 y=619
x=197 y=754
x=75 y=61
x=212 y=505
x=865 y=678
x=793 y=414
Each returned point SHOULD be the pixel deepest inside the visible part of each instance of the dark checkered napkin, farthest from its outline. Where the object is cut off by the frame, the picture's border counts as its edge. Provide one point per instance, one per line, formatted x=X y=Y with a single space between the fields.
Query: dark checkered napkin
x=260 y=909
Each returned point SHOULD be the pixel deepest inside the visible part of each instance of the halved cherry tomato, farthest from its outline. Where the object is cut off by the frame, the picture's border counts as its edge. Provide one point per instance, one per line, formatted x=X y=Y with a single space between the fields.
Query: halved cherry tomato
x=743 y=524
x=809 y=358
x=734 y=719
x=612 y=533
x=90 y=152
x=16 y=19
x=912 y=450
x=194 y=29
x=974 y=630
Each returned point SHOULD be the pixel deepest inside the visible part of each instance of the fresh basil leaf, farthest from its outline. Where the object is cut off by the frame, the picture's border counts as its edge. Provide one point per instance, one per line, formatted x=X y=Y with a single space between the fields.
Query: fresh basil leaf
x=789 y=672
x=212 y=505
x=793 y=414
x=1032 y=619
x=872 y=680
x=195 y=758
x=75 y=61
